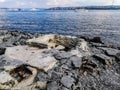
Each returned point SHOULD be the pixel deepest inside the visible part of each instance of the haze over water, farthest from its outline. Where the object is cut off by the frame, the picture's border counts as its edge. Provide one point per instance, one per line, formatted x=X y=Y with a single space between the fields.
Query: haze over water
x=105 y=24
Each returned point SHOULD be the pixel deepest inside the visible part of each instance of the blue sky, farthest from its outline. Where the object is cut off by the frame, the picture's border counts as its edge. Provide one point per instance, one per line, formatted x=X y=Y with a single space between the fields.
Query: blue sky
x=53 y=3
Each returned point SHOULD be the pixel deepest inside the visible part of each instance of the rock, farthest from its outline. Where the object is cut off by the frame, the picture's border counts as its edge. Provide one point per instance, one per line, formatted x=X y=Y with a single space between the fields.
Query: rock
x=32 y=56
x=64 y=88
x=39 y=45
x=103 y=59
x=76 y=61
x=53 y=41
x=35 y=86
x=6 y=81
x=27 y=75
x=2 y=51
x=67 y=81
x=62 y=55
x=52 y=86
x=1 y=40
x=110 y=51
x=96 y=40
x=83 y=45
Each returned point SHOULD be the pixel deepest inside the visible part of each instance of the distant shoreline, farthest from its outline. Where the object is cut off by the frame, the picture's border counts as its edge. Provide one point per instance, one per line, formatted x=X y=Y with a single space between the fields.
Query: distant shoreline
x=110 y=7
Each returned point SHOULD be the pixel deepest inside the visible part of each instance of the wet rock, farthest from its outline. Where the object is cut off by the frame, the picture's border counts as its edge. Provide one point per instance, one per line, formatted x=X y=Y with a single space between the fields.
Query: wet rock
x=96 y=40
x=76 y=61
x=67 y=81
x=32 y=56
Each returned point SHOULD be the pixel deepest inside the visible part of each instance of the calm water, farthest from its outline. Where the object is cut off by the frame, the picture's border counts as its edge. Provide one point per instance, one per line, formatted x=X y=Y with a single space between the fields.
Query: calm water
x=90 y=23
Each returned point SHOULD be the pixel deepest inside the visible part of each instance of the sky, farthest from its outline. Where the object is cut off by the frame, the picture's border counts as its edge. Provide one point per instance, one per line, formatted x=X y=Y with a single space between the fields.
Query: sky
x=53 y=3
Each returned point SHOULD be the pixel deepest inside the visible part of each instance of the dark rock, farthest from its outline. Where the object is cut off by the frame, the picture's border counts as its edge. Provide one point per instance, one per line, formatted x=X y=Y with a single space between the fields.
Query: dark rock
x=96 y=40
x=76 y=61
x=67 y=81
x=2 y=51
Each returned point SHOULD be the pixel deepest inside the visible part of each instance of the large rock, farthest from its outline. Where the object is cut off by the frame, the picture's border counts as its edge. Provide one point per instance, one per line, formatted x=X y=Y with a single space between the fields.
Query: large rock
x=32 y=56
x=6 y=81
x=67 y=81
x=110 y=51
x=54 y=41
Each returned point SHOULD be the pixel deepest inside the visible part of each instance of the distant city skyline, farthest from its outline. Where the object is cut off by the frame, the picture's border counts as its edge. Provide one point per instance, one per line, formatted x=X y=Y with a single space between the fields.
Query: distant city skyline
x=54 y=3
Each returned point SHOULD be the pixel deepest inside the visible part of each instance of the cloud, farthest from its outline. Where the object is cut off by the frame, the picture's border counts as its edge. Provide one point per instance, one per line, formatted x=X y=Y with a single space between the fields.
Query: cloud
x=2 y=0
x=62 y=2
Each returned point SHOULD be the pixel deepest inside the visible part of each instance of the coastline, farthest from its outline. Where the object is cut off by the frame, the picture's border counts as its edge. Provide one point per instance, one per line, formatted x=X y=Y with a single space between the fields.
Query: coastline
x=70 y=63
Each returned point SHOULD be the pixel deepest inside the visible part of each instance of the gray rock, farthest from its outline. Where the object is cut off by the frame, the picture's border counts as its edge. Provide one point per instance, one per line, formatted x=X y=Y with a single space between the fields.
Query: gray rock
x=64 y=88
x=52 y=86
x=32 y=56
x=76 y=61
x=111 y=51
x=62 y=55
x=103 y=59
x=67 y=81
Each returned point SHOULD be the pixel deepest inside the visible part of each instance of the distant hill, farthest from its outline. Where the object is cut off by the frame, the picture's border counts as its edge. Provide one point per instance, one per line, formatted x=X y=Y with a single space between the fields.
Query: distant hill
x=87 y=7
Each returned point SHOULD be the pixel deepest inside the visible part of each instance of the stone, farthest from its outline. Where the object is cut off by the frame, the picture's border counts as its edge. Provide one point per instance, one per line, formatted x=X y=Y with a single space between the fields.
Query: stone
x=2 y=51
x=62 y=55
x=110 y=51
x=6 y=81
x=96 y=40
x=76 y=61
x=52 y=86
x=67 y=81
x=103 y=59
x=39 y=45
x=64 y=88
x=32 y=56
x=53 y=41
x=83 y=45
x=28 y=75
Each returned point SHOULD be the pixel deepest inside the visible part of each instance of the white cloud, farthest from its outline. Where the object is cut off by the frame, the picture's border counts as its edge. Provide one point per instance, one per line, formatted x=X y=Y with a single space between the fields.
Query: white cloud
x=62 y=2
x=2 y=0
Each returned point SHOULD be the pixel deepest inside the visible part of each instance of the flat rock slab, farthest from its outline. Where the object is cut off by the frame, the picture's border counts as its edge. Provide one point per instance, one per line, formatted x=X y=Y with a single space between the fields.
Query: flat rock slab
x=32 y=56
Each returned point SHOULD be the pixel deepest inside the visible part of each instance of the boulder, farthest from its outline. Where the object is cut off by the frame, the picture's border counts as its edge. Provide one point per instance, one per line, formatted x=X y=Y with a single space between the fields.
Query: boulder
x=53 y=41
x=32 y=56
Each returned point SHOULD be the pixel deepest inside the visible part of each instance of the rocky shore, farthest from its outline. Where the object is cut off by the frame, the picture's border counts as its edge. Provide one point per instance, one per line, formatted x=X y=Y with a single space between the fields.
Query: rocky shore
x=56 y=62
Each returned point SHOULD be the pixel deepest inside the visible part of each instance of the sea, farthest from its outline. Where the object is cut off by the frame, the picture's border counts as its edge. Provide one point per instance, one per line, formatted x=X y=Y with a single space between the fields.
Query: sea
x=90 y=23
